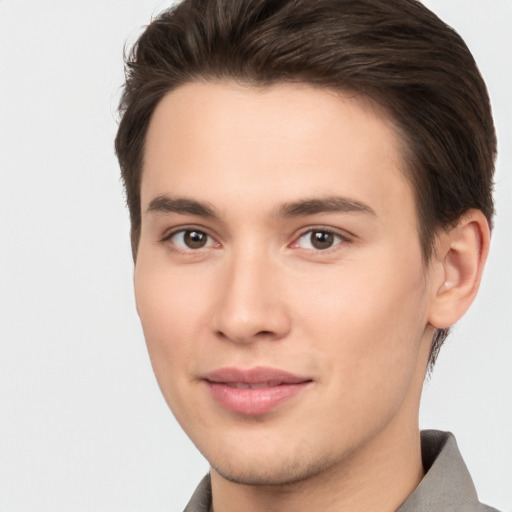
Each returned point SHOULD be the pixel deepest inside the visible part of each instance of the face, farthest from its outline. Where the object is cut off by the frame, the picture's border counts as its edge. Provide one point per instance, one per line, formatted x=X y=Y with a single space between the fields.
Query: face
x=279 y=277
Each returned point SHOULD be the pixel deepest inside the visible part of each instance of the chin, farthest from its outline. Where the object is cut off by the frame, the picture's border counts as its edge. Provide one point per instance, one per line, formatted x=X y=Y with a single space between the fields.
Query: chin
x=275 y=472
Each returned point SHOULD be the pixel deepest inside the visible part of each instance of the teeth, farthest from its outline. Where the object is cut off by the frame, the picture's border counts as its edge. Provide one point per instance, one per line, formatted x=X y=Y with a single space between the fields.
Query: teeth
x=244 y=385
x=239 y=385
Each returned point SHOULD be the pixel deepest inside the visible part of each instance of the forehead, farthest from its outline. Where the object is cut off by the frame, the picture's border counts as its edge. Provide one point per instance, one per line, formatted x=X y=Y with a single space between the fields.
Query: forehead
x=227 y=142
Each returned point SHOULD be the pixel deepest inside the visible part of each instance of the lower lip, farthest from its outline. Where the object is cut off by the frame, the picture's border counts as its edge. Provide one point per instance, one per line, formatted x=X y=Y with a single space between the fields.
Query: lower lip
x=254 y=401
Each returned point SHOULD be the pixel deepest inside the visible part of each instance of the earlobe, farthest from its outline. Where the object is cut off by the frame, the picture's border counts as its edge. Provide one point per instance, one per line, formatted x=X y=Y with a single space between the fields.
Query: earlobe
x=461 y=255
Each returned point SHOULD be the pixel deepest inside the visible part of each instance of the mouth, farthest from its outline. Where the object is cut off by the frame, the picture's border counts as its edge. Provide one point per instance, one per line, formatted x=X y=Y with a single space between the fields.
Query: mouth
x=254 y=391
x=245 y=385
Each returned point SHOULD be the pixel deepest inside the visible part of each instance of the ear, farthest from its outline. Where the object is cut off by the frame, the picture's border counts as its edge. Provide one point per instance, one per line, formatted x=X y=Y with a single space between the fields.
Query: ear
x=457 y=268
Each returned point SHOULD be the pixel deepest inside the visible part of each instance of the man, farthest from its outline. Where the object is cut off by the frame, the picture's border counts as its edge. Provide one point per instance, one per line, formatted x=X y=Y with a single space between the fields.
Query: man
x=309 y=186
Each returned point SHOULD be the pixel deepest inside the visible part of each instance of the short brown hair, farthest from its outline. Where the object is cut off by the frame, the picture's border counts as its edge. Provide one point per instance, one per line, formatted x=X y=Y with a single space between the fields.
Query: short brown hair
x=396 y=52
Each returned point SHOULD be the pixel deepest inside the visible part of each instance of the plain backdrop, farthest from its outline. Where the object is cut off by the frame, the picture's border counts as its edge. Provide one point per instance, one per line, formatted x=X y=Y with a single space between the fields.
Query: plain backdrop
x=83 y=427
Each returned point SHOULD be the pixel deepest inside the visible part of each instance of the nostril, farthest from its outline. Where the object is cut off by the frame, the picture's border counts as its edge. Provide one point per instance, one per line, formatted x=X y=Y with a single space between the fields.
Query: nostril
x=246 y=338
x=221 y=335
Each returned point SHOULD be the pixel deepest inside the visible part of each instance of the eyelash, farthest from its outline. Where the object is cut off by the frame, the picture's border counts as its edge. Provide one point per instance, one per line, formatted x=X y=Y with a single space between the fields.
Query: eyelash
x=168 y=237
x=342 y=239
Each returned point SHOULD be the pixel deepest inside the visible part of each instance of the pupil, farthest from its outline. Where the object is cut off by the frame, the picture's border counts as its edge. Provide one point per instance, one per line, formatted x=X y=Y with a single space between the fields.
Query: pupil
x=195 y=239
x=322 y=239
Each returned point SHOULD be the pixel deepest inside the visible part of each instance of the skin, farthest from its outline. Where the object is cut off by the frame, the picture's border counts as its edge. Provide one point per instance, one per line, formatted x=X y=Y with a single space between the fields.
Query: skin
x=356 y=318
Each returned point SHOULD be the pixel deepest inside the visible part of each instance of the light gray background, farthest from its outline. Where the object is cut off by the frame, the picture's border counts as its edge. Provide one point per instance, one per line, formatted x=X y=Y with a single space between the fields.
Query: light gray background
x=82 y=424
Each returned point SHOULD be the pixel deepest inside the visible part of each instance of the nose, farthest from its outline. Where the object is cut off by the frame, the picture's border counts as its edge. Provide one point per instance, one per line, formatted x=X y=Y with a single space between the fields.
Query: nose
x=251 y=305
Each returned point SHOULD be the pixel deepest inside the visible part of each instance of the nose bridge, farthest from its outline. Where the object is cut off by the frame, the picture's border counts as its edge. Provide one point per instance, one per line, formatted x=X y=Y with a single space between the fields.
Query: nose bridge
x=251 y=303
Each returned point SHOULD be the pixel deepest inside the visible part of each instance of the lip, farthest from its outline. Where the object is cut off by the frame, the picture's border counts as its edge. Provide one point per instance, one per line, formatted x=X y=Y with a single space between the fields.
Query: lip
x=254 y=391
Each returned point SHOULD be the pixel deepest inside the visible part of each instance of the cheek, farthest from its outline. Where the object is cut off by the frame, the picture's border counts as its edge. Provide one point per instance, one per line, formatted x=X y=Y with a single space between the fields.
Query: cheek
x=169 y=306
x=367 y=340
x=363 y=300
x=368 y=324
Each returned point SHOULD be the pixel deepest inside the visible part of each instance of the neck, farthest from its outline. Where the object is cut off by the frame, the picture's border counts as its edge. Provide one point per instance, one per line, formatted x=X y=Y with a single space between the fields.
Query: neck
x=378 y=477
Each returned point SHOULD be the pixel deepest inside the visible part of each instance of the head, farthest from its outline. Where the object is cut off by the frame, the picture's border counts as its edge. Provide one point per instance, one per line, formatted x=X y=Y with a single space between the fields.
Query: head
x=397 y=53
x=397 y=70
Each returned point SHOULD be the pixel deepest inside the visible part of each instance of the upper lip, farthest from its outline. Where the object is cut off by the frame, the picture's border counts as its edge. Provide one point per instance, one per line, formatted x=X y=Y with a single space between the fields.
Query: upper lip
x=254 y=376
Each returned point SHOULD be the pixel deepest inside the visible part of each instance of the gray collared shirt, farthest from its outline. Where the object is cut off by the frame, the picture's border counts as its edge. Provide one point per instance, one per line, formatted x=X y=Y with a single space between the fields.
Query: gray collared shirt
x=446 y=486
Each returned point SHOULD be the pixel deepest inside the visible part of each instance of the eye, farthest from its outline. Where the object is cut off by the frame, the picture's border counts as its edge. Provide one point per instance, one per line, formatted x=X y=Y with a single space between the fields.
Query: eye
x=319 y=239
x=188 y=239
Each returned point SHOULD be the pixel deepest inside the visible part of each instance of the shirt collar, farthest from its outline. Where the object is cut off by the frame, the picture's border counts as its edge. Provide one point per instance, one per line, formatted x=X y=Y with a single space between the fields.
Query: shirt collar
x=447 y=485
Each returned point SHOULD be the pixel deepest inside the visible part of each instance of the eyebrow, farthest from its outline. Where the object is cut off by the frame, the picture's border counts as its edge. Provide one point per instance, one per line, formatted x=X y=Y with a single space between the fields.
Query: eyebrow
x=183 y=206
x=324 y=205
x=301 y=208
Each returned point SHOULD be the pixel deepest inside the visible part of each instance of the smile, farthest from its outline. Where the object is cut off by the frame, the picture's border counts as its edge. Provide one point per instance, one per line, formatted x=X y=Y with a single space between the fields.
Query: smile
x=255 y=391
x=245 y=385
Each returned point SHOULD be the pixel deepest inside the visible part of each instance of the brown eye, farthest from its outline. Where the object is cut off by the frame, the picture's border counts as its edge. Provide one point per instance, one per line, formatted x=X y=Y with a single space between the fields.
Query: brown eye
x=319 y=240
x=191 y=239
x=322 y=239
x=195 y=239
